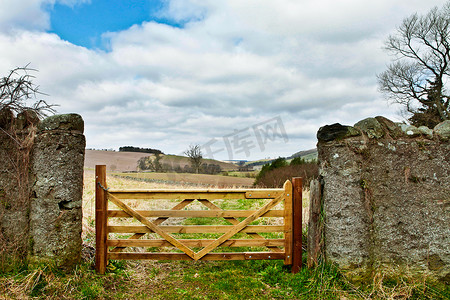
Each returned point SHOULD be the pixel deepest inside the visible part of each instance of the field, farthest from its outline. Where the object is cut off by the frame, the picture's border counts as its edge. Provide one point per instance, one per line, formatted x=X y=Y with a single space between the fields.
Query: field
x=115 y=161
x=201 y=280
x=191 y=179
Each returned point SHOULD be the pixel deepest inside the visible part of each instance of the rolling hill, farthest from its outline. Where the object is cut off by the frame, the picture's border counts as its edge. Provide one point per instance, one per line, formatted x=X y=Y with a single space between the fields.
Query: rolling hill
x=306 y=154
x=127 y=161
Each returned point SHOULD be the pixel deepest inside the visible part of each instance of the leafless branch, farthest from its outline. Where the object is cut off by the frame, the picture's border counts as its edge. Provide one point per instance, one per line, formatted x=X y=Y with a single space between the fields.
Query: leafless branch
x=17 y=90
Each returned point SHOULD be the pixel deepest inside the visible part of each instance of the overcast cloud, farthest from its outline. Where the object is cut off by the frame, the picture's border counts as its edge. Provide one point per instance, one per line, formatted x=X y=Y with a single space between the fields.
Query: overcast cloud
x=231 y=65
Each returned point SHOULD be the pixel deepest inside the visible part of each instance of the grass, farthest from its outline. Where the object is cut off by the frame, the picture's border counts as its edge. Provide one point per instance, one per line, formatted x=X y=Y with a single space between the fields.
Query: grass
x=204 y=280
x=243 y=174
x=212 y=280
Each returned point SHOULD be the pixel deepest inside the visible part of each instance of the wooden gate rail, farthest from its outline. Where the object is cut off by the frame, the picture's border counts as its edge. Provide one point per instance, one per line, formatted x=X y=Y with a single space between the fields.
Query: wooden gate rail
x=288 y=248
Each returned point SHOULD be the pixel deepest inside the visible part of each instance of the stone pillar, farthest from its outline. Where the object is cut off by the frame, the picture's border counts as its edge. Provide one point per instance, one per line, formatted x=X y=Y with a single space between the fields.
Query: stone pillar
x=16 y=141
x=56 y=212
x=386 y=195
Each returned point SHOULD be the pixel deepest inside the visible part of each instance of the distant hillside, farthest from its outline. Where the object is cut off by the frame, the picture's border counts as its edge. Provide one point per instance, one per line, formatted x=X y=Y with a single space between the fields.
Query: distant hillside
x=306 y=154
x=114 y=161
x=128 y=161
x=175 y=160
x=260 y=162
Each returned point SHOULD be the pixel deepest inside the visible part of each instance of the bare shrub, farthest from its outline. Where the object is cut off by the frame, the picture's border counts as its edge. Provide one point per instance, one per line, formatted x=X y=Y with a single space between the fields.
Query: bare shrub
x=17 y=89
x=276 y=177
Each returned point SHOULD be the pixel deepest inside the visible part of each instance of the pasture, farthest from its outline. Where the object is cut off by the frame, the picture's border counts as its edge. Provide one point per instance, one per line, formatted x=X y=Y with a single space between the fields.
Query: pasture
x=189 y=179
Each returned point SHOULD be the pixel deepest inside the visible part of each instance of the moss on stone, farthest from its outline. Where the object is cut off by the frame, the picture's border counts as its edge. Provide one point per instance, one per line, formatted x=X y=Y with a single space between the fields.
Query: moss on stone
x=62 y=122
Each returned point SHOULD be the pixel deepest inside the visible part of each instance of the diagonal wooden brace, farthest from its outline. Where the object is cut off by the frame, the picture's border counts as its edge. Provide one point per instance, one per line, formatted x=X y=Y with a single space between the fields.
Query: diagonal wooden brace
x=235 y=221
x=238 y=227
x=158 y=221
x=151 y=226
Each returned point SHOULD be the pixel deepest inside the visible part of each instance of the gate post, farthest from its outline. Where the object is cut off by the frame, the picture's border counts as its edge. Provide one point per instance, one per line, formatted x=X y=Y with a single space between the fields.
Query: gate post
x=297 y=224
x=101 y=207
x=288 y=241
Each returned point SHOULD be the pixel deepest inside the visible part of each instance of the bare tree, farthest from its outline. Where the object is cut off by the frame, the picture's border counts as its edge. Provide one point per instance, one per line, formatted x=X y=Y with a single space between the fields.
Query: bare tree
x=155 y=163
x=17 y=89
x=195 y=156
x=417 y=79
x=151 y=163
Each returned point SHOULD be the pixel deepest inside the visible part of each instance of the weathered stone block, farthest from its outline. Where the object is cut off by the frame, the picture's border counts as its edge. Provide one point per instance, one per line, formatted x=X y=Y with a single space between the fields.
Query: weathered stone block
x=56 y=209
x=14 y=192
x=41 y=185
x=387 y=201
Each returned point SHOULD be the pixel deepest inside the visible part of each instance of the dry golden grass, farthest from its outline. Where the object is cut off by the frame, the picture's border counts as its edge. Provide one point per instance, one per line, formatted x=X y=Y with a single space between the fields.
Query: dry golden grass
x=194 y=179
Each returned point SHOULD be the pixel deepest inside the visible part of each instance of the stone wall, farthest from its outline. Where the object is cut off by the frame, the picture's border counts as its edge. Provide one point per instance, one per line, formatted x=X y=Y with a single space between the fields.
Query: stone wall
x=41 y=185
x=386 y=195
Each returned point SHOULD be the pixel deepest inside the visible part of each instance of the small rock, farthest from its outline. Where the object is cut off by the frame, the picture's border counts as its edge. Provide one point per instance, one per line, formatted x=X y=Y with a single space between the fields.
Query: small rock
x=336 y=131
x=371 y=127
x=391 y=127
x=410 y=130
x=426 y=131
x=391 y=147
x=443 y=129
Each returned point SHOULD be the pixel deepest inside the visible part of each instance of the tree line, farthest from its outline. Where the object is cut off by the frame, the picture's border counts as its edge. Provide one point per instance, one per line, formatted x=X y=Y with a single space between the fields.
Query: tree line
x=138 y=149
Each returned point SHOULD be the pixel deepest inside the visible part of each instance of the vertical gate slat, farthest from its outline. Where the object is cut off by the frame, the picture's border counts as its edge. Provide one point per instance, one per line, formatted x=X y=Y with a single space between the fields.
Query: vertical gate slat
x=297 y=224
x=101 y=208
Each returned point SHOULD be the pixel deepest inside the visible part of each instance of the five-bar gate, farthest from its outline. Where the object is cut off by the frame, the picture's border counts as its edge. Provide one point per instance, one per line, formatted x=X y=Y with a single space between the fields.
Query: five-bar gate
x=246 y=229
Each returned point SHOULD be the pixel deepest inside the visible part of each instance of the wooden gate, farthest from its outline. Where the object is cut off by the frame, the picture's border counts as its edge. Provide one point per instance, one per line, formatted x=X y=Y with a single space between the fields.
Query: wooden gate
x=288 y=246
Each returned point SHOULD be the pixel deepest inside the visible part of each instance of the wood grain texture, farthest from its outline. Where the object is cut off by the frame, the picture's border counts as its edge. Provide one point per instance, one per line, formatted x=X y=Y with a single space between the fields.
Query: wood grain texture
x=197 y=243
x=195 y=229
x=195 y=213
x=288 y=222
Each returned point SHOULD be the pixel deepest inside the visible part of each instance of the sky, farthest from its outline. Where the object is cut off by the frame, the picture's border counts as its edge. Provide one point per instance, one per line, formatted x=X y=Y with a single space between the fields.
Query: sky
x=244 y=79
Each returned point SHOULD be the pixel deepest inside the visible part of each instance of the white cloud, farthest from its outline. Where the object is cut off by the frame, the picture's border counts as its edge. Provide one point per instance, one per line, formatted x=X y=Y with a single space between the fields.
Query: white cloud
x=232 y=64
x=29 y=14
x=26 y=14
